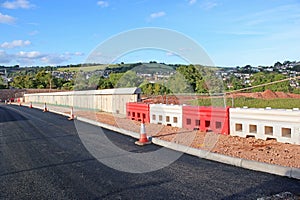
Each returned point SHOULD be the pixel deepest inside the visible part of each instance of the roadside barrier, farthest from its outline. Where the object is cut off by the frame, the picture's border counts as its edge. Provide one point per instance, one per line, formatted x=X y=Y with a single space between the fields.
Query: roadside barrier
x=72 y=117
x=143 y=136
x=209 y=118
x=45 y=108
x=166 y=114
x=138 y=111
x=280 y=124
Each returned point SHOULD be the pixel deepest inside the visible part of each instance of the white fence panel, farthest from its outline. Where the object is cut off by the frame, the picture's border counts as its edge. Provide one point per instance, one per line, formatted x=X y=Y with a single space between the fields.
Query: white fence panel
x=166 y=114
x=280 y=124
x=109 y=100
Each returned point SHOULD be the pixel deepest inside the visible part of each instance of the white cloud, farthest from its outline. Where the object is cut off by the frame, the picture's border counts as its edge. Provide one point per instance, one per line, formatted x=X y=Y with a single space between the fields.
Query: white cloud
x=36 y=57
x=5 y=58
x=74 y=54
x=55 y=58
x=15 y=43
x=191 y=2
x=30 y=55
x=78 y=54
x=17 y=4
x=157 y=14
x=208 y=4
x=103 y=4
x=6 y=19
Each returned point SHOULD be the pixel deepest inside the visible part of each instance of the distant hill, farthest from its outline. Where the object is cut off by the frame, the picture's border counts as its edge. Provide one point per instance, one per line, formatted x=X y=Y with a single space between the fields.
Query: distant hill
x=151 y=68
x=82 y=68
x=148 y=68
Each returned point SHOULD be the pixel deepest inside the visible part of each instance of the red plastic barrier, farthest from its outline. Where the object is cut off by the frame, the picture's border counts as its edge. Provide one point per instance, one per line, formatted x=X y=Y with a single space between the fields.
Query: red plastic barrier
x=138 y=111
x=202 y=118
x=191 y=117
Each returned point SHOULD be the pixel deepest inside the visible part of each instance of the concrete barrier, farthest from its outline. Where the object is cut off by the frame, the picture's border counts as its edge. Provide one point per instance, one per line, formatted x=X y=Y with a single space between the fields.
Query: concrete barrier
x=166 y=114
x=280 y=124
x=109 y=100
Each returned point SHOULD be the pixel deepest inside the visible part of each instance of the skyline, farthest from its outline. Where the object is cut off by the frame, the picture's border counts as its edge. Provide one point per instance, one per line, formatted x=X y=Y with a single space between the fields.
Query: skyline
x=233 y=33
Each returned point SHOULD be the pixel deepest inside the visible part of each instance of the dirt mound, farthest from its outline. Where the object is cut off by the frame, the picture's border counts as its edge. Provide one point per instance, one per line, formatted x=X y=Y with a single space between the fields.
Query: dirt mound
x=181 y=99
x=256 y=95
x=162 y=99
x=282 y=95
x=268 y=94
x=296 y=96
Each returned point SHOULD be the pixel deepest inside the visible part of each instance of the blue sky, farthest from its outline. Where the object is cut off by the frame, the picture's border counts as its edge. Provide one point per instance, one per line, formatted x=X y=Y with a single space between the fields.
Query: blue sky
x=232 y=32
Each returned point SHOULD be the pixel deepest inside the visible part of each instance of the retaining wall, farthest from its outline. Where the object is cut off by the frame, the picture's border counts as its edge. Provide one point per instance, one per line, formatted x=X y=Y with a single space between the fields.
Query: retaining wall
x=110 y=100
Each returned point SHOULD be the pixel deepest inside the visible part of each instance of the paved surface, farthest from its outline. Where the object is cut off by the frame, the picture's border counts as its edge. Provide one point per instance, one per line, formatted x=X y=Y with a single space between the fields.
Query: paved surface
x=42 y=157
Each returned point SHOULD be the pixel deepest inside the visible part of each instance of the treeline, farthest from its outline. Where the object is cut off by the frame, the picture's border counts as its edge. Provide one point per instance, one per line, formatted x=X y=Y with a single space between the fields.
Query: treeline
x=40 y=80
x=185 y=79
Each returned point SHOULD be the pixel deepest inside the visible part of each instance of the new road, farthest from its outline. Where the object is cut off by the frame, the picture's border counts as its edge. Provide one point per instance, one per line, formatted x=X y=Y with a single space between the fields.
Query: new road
x=43 y=157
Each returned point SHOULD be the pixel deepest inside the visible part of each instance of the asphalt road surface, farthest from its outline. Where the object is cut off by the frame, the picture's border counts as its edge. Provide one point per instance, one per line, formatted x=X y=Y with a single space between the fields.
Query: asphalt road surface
x=42 y=157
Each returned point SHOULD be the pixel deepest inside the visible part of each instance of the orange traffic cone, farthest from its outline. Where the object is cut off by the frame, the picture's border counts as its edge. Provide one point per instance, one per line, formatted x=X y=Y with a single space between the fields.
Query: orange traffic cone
x=143 y=136
x=45 y=108
x=30 y=105
x=72 y=117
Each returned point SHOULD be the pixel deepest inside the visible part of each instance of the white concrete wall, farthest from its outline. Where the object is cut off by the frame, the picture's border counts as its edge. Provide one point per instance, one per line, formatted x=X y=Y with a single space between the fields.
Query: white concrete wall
x=280 y=124
x=166 y=114
x=111 y=100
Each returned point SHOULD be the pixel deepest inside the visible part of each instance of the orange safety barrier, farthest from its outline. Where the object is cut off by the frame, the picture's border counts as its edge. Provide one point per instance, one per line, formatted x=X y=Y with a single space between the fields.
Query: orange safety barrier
x=138 y=111
x=205 y=119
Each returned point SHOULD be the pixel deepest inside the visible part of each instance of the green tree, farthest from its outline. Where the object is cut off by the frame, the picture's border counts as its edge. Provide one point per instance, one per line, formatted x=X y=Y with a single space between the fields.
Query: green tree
x=114 y=78
x=93 y=81
x=80 y=83
x=2 y=84
x=263 y=77
x=201 y=86
x=147 y=88
x=191 y=74
x=157 y=89
x=68 y=86
x=104 y=83
x=296 y=68
x=44 y=80
x=128 y=79
x=178 y=84
x=29 y=82
x=18 y=81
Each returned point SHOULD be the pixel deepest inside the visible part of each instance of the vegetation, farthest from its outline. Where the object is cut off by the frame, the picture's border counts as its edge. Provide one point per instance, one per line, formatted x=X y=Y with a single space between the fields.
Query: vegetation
x=83 y=68
x=2 y=84
x=249 y=102
x=262 y=78
x=169 y=78
x=40 y=80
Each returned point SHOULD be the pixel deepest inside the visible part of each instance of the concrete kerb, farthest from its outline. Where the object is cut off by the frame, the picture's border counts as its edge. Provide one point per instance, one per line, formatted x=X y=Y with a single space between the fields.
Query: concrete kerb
x=238 y=162
x=112 y=128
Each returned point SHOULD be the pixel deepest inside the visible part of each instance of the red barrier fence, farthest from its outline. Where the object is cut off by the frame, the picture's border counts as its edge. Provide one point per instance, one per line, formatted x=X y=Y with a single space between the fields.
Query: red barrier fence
x=138 y=111
x=202 y=118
